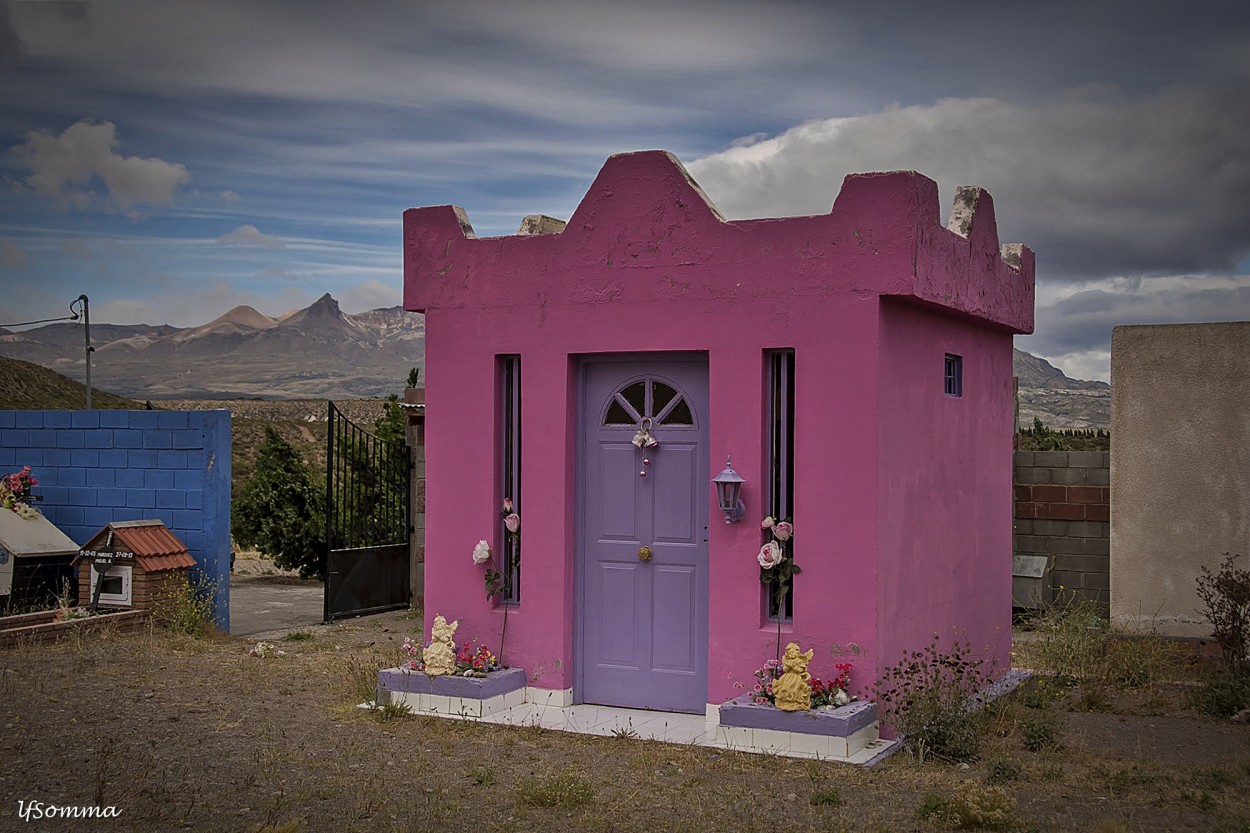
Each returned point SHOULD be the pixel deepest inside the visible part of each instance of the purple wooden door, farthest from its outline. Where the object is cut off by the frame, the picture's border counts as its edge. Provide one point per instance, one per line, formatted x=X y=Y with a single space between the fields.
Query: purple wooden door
x=642 y=622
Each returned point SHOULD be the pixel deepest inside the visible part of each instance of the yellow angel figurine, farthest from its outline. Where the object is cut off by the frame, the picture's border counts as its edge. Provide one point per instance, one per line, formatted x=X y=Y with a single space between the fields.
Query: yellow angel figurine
x=792 y=690
x=440 y=656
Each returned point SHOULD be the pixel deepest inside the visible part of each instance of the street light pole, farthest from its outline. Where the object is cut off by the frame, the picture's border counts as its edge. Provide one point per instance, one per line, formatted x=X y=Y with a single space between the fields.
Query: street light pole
x=86 y=337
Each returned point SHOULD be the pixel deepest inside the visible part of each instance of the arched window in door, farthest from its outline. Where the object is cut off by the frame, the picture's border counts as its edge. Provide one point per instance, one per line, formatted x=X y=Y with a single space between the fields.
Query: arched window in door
x=649 y=398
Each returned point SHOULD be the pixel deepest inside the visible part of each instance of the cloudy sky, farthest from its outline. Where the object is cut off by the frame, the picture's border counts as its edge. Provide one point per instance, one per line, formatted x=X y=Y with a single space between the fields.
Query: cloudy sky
x=173 y=159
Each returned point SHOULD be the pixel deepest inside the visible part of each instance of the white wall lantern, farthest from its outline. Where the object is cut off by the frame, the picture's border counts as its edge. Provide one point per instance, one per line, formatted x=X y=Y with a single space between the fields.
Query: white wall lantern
x=728 y=493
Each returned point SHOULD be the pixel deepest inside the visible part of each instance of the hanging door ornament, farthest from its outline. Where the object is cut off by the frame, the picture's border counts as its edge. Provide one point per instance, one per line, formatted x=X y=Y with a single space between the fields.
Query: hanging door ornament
x=642 y=437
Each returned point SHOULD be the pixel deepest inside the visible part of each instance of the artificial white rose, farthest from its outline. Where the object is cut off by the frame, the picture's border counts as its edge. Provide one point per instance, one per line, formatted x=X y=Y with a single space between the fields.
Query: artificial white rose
x=770 y=555
x=481 y=553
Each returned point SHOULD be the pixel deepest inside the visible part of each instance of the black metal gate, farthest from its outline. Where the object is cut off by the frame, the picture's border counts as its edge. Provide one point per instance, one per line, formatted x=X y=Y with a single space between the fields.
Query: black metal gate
x=368 y=488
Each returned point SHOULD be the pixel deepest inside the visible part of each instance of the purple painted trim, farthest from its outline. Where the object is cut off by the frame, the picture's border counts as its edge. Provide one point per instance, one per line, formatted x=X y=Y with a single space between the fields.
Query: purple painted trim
x=841 y=722
x=476 y=688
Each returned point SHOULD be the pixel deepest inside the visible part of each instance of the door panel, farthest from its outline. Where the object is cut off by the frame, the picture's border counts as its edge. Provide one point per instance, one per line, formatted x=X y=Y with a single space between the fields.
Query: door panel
x=618 y=494
x=676 y=489
x=618 y=622
x=642 y=621
x=674 y=635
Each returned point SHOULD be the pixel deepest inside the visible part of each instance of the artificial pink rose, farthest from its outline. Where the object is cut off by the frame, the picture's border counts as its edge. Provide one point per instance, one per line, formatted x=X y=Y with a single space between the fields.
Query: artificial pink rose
x=770 y=555
x=782 y=530
x=507 y=506
x=481 y=553
x=767 y=523
x=512 y=522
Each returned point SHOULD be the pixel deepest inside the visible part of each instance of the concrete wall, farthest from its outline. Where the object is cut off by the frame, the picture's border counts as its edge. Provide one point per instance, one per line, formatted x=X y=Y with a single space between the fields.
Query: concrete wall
x=1063 y=509
x=95 y=467
x=646 y=264
x=1180 y=477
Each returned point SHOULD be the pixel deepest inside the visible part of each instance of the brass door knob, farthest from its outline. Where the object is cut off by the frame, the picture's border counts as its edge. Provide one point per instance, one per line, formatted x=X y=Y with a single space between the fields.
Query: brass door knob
x=644 y=553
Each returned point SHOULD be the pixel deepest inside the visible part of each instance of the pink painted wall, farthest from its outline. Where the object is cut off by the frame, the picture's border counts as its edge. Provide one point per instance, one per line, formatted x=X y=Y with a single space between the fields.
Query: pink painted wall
x=944 y=510
x=645 y=265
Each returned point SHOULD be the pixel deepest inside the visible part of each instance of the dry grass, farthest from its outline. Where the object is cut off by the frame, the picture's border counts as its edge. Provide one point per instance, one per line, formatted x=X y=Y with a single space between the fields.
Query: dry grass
x=179 y=731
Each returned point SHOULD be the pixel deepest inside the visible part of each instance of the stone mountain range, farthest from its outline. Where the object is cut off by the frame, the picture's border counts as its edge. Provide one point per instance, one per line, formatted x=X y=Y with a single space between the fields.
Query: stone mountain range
x=321 y=352
x=314 y=353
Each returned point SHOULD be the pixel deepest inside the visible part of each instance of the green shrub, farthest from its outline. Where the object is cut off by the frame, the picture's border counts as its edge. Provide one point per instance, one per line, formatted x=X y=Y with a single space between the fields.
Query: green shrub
x=932 y=698
x=1001 y=770
x=1222 y=693
x=1040 y=729
x=280 y=510
x=1226 y=596
x=831 y=797
x=936 y=809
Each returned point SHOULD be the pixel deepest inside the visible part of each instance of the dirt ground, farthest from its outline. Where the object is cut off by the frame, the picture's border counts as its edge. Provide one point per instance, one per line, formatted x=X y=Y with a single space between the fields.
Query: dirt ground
x=194 y=733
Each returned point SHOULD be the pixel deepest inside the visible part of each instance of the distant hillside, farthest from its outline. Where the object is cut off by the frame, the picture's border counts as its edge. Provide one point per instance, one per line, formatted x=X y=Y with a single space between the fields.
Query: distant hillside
x=313 y=353
x=1048 y=394
x=29 y=387
x=323 y=353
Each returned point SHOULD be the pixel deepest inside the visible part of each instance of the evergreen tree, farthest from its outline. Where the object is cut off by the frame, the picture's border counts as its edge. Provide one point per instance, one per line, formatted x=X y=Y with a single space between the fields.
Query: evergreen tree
x=281 y=509
x=392 y=426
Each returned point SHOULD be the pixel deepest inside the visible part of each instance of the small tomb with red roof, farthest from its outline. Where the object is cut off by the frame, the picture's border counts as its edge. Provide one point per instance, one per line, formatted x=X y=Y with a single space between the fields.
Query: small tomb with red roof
x=132 y=564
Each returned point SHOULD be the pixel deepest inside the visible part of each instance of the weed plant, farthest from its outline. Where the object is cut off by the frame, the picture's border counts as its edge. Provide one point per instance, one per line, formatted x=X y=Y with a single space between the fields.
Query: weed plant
x=1226 y=596
x=564 y=790
x=974 y=806
x=1001 y=770
x=394 y=711
x=187 y=610
x=829 y=797
x=1040 y=729
x=932 y=697
x=1072 y=640
x=1073 y=646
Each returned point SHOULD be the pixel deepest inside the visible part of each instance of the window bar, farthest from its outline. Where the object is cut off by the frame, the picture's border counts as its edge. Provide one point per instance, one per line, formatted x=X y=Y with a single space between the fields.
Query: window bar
x=510 y=400
x=781 y=454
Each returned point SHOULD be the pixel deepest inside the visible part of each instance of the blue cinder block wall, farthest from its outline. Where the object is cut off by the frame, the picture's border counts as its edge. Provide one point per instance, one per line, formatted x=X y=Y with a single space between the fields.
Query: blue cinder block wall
x=95 y=467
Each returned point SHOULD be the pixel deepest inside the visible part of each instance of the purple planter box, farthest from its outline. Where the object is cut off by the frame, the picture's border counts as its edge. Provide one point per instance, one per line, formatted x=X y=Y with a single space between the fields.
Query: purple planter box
x=841 y=722
x=477 y=688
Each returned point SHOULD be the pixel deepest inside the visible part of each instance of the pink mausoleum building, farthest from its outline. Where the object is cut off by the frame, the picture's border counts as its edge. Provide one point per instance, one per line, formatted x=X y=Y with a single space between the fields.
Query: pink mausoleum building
x=856 y=367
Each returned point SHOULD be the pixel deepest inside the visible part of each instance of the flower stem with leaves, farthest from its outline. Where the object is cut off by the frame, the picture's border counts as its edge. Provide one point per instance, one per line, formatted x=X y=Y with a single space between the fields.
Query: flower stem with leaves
x=496 y=581
x=777 y=567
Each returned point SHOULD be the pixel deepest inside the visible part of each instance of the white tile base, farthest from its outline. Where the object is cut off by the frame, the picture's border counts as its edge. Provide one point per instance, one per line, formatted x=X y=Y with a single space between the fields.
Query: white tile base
x=553 y=709
x=560 y=698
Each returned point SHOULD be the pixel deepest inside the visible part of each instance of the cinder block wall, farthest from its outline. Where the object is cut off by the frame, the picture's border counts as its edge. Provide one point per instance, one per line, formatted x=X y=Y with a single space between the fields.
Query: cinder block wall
x=1063 y=508
x=95 y=467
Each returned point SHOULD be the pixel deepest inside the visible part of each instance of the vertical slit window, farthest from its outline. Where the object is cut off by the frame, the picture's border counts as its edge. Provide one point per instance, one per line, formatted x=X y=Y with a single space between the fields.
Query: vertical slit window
x=953 y=375
x=779 y=421
x=510 y=472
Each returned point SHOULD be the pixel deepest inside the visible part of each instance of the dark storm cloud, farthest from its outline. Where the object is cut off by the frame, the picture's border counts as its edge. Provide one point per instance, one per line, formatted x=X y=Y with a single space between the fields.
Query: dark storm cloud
x=1111 y=134
x=1096 y=182
x=11 y=45
x=1083 y=321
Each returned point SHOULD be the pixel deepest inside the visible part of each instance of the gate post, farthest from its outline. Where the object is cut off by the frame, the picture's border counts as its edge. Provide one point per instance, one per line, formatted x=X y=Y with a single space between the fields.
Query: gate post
x=414 y=407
